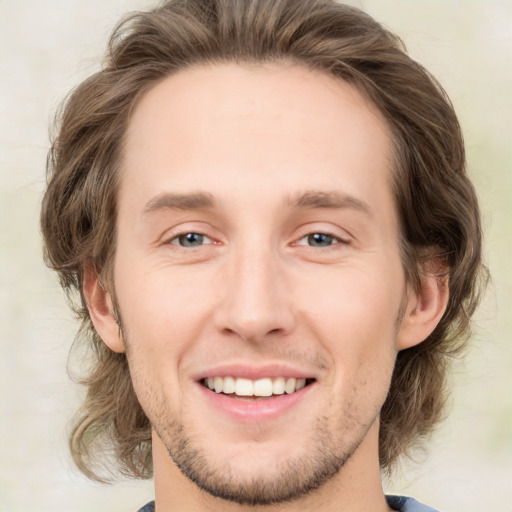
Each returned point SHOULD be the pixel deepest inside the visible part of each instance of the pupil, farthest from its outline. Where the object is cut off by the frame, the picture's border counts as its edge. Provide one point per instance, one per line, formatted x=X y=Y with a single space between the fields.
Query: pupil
x=320 y=240
x=191 y=240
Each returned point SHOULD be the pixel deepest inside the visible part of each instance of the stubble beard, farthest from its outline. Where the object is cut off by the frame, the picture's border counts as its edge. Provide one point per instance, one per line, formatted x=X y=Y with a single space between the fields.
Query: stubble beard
x=323 y=456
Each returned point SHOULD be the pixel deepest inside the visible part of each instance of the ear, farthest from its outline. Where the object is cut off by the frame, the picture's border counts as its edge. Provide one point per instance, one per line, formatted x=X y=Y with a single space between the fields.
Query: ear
x=425 y=307
x=101 y=309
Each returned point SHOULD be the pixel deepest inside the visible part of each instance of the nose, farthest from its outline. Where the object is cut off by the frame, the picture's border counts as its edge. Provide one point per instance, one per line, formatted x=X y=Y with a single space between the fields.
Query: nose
x=256 y=302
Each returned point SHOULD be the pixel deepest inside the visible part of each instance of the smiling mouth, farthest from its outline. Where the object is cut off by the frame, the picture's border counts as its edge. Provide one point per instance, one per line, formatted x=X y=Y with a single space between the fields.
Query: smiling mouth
x=260 y=389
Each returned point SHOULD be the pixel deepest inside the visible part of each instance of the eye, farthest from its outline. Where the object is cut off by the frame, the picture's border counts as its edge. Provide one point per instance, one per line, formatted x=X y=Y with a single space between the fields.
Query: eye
x=319 y=240
x=191 y=240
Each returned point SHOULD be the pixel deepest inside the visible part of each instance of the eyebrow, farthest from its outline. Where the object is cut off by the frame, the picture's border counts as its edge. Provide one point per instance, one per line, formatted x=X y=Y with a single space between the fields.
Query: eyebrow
x=320 y=199
x=170 y=201
x=306 y=200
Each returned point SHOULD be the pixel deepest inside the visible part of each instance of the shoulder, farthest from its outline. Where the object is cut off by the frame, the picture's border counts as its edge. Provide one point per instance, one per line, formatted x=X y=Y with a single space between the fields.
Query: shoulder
x=150 y=507
x=403 y=504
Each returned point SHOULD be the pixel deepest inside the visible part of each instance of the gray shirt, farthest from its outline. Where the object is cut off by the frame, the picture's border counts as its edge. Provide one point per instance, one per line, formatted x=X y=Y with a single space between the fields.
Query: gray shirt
x=399 y=503
x=404 y=504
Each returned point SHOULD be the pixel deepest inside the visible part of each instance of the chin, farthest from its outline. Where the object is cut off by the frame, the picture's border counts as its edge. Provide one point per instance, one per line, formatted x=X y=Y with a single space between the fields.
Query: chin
x=263 y=472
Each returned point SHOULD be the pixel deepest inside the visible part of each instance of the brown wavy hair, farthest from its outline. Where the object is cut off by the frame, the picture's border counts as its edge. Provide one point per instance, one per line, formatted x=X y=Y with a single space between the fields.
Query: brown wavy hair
x=436 y=202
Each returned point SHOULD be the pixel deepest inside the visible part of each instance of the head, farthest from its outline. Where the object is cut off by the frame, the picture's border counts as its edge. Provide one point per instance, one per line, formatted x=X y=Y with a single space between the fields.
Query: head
x=418 y=138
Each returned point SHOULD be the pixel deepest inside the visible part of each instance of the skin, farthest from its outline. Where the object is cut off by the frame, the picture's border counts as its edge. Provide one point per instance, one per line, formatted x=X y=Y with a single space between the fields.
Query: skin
x=259 y=158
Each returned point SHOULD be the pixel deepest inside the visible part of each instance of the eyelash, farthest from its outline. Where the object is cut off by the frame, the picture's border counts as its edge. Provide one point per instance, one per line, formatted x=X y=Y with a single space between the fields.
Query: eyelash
x=309 y=237
x=183 y=236
x=181 y=239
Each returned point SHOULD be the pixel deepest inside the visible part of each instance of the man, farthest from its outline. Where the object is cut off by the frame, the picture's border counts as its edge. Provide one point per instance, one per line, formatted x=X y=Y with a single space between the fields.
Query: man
x=265 y=209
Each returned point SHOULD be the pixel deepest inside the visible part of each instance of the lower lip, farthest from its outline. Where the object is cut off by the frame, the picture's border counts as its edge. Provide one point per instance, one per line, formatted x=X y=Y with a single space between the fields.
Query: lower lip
x=257 y=410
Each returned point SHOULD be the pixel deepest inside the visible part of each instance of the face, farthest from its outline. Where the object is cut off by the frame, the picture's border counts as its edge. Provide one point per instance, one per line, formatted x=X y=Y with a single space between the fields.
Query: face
x=258 y=275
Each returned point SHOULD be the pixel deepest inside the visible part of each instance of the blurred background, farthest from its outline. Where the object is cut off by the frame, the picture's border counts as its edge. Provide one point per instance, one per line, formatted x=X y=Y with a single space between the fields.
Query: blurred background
x=48 y=47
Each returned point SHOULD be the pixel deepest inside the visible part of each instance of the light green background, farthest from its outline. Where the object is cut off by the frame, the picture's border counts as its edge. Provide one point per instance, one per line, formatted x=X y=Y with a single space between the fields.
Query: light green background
x=46 y=47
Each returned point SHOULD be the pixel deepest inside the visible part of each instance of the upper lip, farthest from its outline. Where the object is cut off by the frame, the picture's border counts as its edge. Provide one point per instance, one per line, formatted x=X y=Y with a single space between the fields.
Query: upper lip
x=254 y=372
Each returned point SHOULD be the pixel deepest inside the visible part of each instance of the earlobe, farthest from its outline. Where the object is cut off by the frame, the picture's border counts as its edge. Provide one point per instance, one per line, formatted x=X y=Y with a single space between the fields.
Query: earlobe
x=102 y=311
x=424 y=309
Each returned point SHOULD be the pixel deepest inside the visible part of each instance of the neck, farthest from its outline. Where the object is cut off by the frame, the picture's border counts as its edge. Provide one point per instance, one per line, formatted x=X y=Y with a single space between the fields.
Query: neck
x=356 y=487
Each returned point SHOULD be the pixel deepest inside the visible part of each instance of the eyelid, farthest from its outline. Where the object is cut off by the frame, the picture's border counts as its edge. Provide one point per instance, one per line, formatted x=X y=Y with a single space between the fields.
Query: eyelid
x=337 y=242
x=179 y=235
x=199 y=228
x=342 y=236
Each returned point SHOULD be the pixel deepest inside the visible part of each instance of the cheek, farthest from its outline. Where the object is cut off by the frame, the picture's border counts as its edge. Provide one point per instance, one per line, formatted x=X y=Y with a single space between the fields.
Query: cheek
x=158 y=294
x=357 y=305
x=355 y=321
x=162 y=313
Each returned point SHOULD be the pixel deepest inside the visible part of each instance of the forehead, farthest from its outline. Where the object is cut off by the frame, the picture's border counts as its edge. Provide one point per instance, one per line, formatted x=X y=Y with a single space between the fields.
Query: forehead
x=262 y=126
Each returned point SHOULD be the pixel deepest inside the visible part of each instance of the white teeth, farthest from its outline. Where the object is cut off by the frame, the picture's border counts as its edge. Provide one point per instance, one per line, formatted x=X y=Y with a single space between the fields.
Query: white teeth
x=263 y=387
x=219 y=384
x=229 y=385
x=260 y=387
x=244 y=387
x=278 y=386
x=289 y=387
